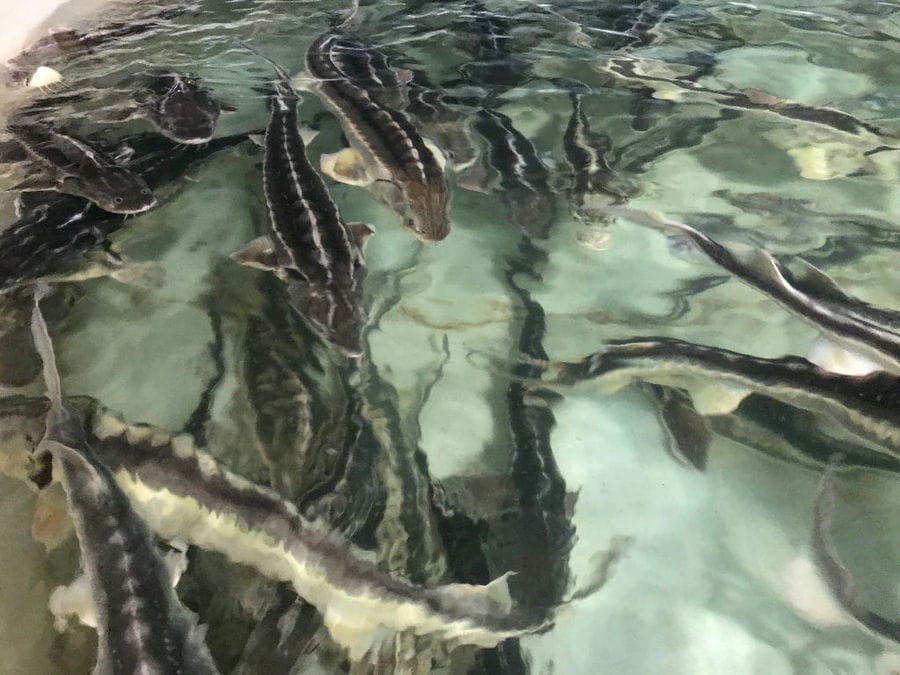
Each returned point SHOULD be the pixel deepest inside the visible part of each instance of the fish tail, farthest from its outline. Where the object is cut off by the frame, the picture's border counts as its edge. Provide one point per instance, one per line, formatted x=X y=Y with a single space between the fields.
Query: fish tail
x=281 y=72
x=44 y=346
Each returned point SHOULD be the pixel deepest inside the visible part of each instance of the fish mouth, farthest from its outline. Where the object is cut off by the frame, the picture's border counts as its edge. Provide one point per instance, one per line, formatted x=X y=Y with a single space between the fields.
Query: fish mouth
x=132 y=210
x=191 y=140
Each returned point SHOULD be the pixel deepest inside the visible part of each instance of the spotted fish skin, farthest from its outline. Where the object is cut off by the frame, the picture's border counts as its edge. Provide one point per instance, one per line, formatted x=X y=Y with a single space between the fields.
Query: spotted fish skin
x=524 y=180
x=70 y=166
x=312 y=249
x=179 y=108
x=867 y=405
x=389 y=146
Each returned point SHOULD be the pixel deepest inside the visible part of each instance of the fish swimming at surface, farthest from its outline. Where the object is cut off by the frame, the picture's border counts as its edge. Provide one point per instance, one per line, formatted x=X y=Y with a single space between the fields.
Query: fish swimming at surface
x=719 y=379
x=387 y=153
x=70 y=166
x=309 y=246
x=142 y=626
x=868 y=331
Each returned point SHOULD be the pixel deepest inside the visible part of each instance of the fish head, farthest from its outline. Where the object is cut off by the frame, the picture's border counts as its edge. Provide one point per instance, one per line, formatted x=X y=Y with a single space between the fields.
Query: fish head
x=117 y=190
x=426 y=209
x=332 y=311
x=186 y=116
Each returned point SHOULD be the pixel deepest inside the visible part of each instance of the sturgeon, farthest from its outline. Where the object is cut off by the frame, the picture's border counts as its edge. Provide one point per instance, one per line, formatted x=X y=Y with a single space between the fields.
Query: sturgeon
x=179 y=108
x=309 y=246
x=68 y=165
x=182 y=492
x=387 y=154
x=141 y=625
x=58 y=237
x=524 y=180
x=803 y=289
x=586 y=153
x=719 y=379
x=836 y=575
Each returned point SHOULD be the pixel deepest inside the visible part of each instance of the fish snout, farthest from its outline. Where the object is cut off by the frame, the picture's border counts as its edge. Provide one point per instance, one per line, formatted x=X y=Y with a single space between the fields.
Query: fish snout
x=429 y=214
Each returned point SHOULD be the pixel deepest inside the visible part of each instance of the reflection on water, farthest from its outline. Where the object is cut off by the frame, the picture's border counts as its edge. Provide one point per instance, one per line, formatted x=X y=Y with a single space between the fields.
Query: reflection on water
x=599 y=295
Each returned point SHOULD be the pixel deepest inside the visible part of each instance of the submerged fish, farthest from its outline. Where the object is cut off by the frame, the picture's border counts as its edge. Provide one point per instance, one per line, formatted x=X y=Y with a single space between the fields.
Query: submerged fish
x=718 y=380
x=673 y=88
x=868 y=331
x=182 y=492
x=141 y=624
x=64 y=238
x=523 y=178
x=179 y=108
x=309 y=246
x=836 y=575
x=58 y=237
x=387 y=153
x=586 y=152
x=72 y=167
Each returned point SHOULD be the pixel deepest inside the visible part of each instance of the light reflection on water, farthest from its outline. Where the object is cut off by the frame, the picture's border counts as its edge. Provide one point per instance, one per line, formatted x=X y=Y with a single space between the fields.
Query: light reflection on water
x=431 y=451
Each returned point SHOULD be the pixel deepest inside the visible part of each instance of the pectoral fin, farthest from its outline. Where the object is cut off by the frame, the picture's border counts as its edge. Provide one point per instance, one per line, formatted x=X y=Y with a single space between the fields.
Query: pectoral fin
x=361 y=233
x=717 y=399
x=36 y=183
x=258 y=253
x=345 y=166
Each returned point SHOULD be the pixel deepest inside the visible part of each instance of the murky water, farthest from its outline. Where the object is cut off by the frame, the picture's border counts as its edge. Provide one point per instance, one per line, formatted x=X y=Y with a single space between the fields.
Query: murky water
x=450 y=451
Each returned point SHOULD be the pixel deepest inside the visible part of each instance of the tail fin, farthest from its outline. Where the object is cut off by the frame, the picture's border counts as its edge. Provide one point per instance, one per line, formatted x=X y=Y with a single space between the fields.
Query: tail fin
x=44 y=347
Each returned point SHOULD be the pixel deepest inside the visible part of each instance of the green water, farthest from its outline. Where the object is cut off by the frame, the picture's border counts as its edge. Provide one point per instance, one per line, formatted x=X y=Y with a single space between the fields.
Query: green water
x=716 y=577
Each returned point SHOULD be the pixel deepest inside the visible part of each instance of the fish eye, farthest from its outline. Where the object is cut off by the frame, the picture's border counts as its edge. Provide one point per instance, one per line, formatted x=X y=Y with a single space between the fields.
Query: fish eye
x=118 y=200
x=145 y=191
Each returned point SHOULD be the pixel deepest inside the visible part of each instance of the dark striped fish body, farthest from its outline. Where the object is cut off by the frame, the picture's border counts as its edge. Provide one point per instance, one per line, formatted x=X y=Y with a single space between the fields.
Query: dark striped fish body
x=142 y=626
x=523 y=176
x=489 y=39
x=629 y=69
x=182 y=492
x=801 y=288
x=57 y=238
x=309 y=246
x=836 y=575
x=179 y=108
x=537 y=532
x=389 y=155
x=869 y=405
x=586 y=153
x=72 y=167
